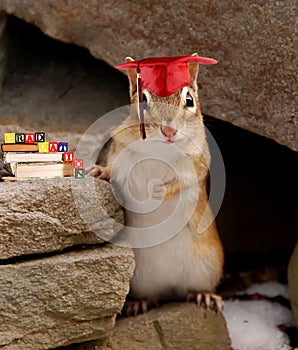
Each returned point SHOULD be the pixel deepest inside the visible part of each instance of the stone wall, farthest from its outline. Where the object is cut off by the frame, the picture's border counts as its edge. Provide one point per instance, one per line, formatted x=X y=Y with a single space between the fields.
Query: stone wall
x=59 y=283
x=253 y=86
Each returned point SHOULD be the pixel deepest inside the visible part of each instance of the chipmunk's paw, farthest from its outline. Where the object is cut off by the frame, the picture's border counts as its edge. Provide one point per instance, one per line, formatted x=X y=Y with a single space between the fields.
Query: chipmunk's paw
x=102 y=172
x=136 y=307
x=165 y=190
x=209 y=300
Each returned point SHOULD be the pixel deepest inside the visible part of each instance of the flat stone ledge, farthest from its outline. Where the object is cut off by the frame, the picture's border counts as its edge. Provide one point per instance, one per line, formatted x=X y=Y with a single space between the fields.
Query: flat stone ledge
x=64 y=299
x=41 y=216
x=174 y=326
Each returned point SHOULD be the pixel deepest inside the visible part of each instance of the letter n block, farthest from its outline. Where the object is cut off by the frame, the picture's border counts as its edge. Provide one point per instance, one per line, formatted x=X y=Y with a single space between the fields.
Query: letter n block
x=53 y=146
x=40 y=137
x=20 y=138
x=30 y=137
x=80 y=174
x=68 y=157
x=43 y=147
x=63 y=147
x=9 y=137
x=78 y=163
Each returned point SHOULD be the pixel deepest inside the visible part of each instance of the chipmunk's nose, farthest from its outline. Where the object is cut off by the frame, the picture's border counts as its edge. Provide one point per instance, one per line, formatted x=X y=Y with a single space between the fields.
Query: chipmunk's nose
x=168 y=131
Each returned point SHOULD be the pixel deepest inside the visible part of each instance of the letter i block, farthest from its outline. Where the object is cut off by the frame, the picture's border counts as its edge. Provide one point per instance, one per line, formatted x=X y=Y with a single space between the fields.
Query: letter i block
x=9 y=137
x=43 y=147
x=53 y=146
x=40 y=137
x=30 y=137
x=79 y=174
x=68 y=157
x=78 y=164
x=20 y=138
x=63 y=147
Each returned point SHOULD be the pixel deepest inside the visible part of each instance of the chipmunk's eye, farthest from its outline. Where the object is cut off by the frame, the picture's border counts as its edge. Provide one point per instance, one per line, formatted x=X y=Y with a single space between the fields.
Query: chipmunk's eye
x=189 y=100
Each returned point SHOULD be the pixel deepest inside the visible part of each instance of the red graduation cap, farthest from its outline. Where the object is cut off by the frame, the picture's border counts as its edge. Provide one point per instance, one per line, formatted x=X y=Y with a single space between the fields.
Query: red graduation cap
x=162 y=75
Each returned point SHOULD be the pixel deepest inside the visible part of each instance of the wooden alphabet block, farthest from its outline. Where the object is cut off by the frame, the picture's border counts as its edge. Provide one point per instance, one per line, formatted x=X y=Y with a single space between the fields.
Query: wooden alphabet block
x=30 y=137
x=43 y=147
x=53 y=146
x=78 y=163
x=20 y=138
x=80 y=174
x=68 y=157
x=40 y=137
x=9 y=137
x=63 y=147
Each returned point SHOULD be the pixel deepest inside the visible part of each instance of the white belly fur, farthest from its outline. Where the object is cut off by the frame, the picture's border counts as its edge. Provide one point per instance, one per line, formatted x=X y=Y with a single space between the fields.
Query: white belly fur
x=170 y=267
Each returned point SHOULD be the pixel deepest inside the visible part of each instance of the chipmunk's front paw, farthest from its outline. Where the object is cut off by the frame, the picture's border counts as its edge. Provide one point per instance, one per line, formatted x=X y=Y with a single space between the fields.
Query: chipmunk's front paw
x=102 y=172
x=165 y=190
x=209 y=300
x=136 y=307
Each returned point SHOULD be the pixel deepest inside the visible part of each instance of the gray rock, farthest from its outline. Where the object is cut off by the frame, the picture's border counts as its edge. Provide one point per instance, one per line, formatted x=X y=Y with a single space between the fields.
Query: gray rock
x=64 y=299
x=173 y=326
x=253 y=86
x=48 y=215
x=293 y=282
x=3 y=48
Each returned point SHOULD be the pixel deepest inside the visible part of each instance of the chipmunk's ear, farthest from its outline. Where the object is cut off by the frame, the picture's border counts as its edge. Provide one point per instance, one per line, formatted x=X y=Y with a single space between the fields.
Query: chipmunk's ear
x=193 y=73
x=132 y=77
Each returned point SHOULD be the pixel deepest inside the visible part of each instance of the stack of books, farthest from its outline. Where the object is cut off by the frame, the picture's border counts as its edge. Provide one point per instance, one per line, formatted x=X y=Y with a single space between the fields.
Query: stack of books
x=31 y=156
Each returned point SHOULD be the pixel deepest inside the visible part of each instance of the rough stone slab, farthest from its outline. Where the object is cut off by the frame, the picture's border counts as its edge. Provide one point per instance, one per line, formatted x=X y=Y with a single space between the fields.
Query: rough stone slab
x=63 y=299
x=293 y=282
x=40 y=216
x=175 y=326
x=254 y=84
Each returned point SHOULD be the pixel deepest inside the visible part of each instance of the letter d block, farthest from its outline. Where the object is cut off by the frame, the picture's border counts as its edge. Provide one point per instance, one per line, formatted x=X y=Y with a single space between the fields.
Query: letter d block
x=68 y=157
x=80 y=174
x=40 y=137
x=43 y=147
x=9 y=137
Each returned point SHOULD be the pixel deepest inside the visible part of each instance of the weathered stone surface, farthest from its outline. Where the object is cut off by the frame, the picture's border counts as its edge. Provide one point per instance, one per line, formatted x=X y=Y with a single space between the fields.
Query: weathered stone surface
x=63 y=299
x=253 y=85
x=293 y=282
x=174 y=326
x=48 y=215
x=3 y=48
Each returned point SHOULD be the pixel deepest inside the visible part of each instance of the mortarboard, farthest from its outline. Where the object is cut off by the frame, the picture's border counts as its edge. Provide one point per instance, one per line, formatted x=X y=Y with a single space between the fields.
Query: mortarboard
x=162 y=75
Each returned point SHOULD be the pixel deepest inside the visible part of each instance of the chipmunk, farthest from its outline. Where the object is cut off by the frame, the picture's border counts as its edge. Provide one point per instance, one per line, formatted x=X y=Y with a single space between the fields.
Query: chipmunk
x=169 y=168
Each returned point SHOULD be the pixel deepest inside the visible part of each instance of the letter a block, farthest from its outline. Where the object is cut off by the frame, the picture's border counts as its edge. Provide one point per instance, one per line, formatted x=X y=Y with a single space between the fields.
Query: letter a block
x=79 y=174
x=63 y=147
x=53 y=146
x=30 y=138
x=78 y=164
x=9 y=137
x=43 y=147
x=68 y=157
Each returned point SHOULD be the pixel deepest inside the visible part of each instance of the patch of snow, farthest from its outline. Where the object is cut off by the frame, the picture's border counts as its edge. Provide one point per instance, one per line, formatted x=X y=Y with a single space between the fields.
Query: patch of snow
x=253 y=325
x=269 y=289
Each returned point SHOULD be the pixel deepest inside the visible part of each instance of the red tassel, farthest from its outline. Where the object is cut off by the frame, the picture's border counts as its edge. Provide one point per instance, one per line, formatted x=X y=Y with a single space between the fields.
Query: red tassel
x=140 y=105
